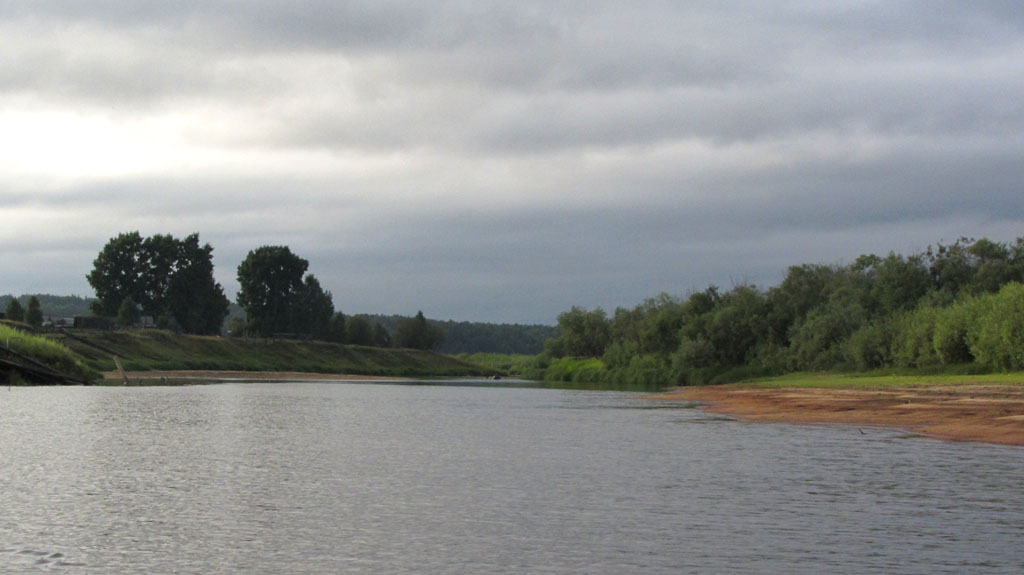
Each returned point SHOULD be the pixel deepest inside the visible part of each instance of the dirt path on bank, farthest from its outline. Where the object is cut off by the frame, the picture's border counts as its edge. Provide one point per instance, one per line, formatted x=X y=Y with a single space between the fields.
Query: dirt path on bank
x=982 y=413
x=217 y=376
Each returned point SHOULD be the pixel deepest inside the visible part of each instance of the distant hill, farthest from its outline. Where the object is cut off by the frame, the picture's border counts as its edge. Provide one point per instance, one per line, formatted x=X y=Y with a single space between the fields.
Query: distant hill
x=53 y=305
x=476 y=337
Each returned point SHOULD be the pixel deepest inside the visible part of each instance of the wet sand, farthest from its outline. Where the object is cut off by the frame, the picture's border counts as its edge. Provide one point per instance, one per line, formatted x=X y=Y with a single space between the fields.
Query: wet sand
x=981 y=413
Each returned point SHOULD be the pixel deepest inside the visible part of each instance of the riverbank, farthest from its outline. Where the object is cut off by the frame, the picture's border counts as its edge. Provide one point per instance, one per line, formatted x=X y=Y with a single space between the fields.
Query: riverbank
x=147 y=351
x=174 y=377
x=981 y=412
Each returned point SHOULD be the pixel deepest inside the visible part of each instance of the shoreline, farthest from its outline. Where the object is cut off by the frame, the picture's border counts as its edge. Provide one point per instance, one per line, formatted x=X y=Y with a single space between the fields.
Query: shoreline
x=222 y=376
x=975 y=413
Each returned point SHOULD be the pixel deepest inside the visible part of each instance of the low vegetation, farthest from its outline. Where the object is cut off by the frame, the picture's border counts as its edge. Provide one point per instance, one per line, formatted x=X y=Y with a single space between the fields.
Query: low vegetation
x=882 y=381
x=142 y=350
x=47 y=352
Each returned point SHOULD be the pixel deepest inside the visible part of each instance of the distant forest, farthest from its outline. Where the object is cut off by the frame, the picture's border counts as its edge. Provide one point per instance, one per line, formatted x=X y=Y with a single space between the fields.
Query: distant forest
x=55 y=306
x=476 y=337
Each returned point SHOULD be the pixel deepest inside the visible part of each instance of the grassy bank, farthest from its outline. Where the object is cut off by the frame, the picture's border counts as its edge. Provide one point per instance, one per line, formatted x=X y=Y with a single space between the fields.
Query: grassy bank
x=51 y=354
x=514 y=365
x=160 y=350
x=643 y=374
x=859 y=381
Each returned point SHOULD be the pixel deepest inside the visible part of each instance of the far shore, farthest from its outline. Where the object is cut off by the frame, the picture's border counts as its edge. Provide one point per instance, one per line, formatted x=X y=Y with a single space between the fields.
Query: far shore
x=979 y=413
x=215 y=376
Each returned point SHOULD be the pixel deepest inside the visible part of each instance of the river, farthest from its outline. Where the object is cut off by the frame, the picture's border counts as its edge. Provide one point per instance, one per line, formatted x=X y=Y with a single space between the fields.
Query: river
x=325 y=478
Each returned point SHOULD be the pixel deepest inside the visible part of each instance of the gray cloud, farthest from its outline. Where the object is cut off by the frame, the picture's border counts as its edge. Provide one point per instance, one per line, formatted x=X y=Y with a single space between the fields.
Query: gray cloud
x=496 y=161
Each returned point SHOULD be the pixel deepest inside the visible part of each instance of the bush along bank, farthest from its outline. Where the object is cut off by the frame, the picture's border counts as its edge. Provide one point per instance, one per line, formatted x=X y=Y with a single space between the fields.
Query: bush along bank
x=955 y=309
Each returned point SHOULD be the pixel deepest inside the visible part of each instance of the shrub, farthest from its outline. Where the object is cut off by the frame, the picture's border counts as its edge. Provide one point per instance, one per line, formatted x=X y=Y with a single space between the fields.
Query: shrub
x=950 y=337
x=870 y=346
x=913 y=338
x=996 y=328
x=47 y=352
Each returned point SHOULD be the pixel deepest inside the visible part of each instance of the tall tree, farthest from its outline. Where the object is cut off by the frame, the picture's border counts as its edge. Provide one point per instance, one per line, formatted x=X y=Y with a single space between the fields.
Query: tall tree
x=14 y=310
x=417 y=333
x=34 y=315
x=193 y=296
x=164 y=276
x=584 y=333
x=337 y=328
x=118 y=273
x=270 y=279
x=358 y=331
x=312 y=310
x=381 y=337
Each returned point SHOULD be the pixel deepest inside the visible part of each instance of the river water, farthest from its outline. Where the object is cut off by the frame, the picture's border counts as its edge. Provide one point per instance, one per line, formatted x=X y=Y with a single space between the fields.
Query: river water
x=332 y=478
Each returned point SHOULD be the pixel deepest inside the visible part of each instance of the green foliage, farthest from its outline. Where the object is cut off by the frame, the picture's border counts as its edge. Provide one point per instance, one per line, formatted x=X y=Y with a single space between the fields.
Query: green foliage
x=736 y=324
x=503 y=363
x=695 y=353
x=899 y=283
x=161 y=350
x=358 y=331
x=381 y=336
x=276 y=297
x=503 y=338
x=913 y=337
x=46 y=351
x=236 y=326
x=996 y=328
x=336 y=328
x=478 y=337
x=164 y=276
x=118 y=273
x=584 y=333
x=34 y=315
x=313 y=310
x=128 y=314
x=620 y=353
x=956 y=308
x=417 y=333
x=870 y=346
x=14 y=310
x=819 y=338
x=950 y=333
x=575 y=369
x=55 y=306
x=194 y=300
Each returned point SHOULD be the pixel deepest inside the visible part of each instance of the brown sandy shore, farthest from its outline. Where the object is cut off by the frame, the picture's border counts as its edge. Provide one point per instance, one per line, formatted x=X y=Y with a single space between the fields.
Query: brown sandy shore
x=982 y=413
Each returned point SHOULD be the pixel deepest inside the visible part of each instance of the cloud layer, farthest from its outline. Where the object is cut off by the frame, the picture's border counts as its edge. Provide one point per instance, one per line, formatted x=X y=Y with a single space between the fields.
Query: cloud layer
x=501 y=162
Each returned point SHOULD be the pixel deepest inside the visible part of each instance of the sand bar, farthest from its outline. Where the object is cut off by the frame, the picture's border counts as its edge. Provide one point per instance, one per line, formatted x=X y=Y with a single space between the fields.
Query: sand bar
x=981 y=413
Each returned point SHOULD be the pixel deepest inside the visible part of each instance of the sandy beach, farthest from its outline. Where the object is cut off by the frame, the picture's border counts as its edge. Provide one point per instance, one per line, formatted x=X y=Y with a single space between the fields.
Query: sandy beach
x=981 y=413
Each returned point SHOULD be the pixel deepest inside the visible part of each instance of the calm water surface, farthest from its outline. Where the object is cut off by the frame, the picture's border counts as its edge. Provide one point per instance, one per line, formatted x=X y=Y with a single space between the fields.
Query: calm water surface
x=358 y=478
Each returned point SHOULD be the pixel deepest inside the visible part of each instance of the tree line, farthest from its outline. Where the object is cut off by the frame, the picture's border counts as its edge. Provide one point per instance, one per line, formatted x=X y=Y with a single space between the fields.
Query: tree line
x=31 y=313
x=480 y=337
x=953 y=305
x=171 y=280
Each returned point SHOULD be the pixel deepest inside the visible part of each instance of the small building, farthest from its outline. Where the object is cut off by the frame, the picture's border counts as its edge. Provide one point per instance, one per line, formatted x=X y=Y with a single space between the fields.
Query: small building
x=93 y=322
x=58 y=322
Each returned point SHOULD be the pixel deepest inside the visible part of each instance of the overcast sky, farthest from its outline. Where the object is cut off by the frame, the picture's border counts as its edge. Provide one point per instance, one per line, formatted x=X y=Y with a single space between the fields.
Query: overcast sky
x=503 y=161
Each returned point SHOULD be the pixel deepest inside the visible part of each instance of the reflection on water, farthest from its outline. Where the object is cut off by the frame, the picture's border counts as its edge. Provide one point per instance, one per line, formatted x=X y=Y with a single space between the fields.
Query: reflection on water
x=345 y=478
